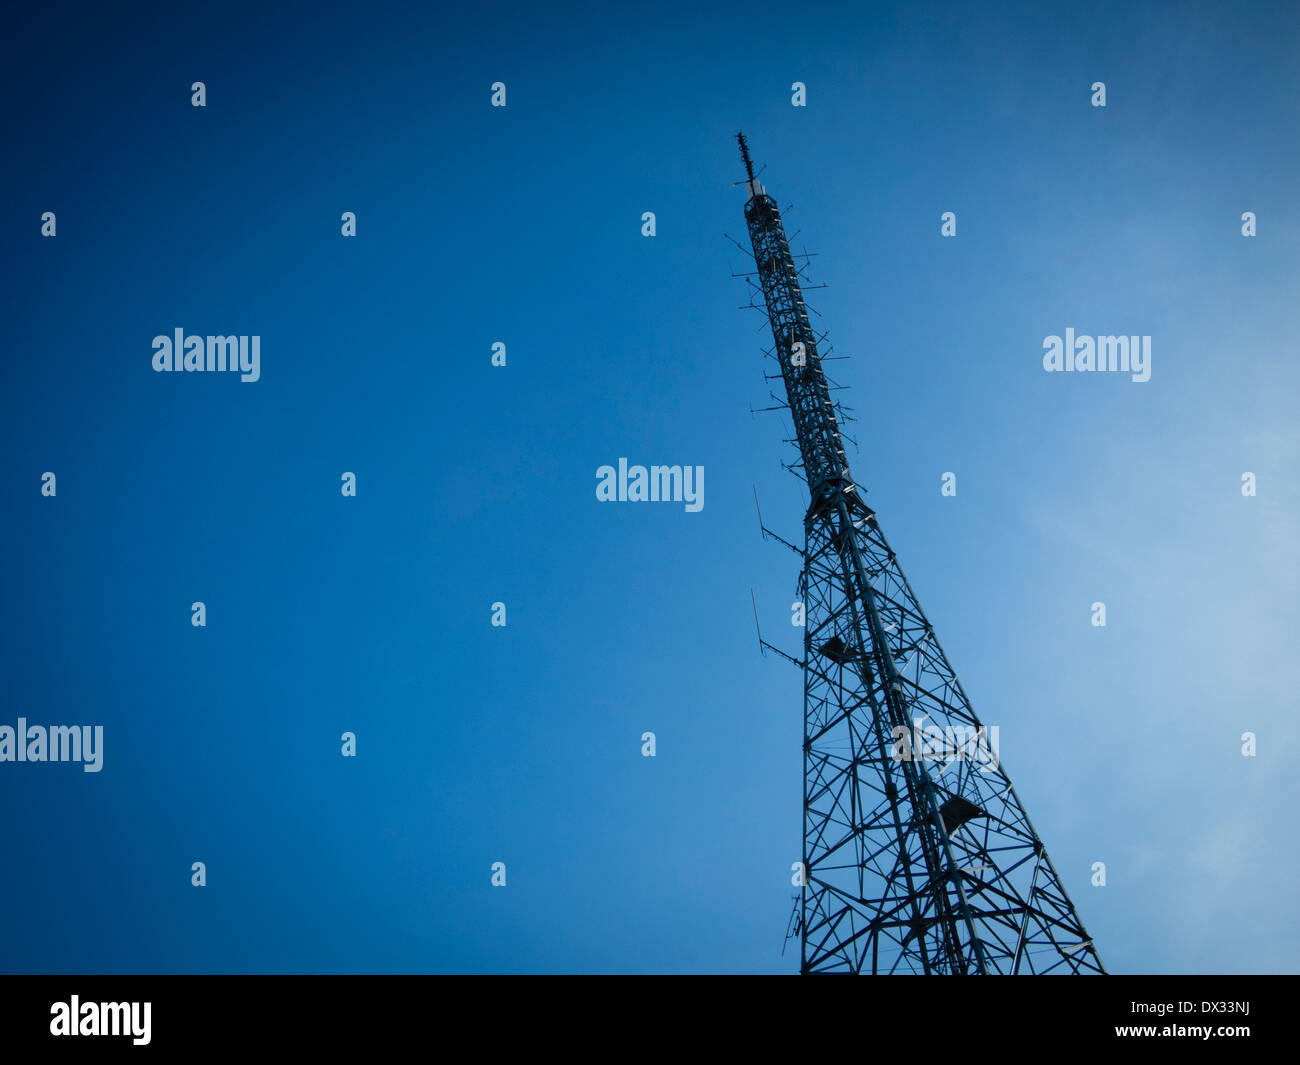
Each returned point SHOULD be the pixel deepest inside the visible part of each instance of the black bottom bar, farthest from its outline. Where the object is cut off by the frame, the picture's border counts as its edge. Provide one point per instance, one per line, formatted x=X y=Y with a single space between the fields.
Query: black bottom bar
x=386 y=1014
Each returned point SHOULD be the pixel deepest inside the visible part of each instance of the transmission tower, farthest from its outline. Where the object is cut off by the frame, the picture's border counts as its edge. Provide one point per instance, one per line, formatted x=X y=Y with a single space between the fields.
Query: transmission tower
x=918 y=855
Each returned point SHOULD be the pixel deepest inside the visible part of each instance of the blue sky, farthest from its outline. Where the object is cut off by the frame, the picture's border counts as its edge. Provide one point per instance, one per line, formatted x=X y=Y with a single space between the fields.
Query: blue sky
x=476 y=484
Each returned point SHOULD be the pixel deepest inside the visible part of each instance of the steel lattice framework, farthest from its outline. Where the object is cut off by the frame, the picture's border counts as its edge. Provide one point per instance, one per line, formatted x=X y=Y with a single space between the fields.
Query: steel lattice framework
x=917 y=859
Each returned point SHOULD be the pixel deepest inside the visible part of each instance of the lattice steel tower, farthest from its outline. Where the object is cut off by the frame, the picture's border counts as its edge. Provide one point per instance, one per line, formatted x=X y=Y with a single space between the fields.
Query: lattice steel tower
x=918 y=858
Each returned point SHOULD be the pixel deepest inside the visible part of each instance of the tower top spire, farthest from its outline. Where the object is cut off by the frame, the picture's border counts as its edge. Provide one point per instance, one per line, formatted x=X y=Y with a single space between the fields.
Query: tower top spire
x=744 y=154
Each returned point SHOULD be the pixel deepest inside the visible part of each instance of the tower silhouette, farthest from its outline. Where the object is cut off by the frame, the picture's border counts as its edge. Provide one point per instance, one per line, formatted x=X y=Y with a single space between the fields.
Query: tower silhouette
x=917 y=854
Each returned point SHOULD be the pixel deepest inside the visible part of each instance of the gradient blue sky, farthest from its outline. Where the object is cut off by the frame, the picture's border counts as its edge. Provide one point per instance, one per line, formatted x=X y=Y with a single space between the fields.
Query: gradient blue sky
x=476 y=484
